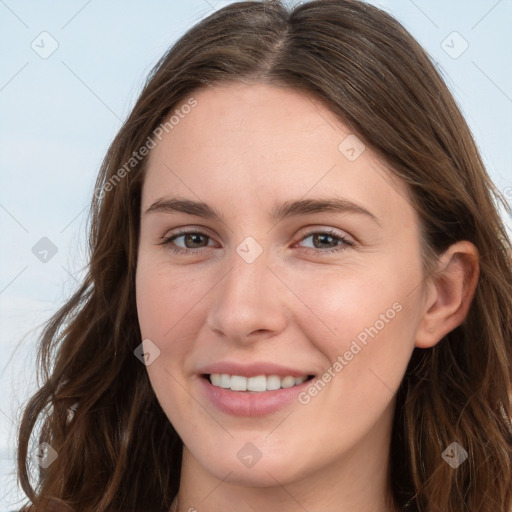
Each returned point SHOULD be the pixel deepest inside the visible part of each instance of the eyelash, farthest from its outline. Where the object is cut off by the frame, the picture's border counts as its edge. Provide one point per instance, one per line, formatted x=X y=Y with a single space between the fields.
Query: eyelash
x=345 y=243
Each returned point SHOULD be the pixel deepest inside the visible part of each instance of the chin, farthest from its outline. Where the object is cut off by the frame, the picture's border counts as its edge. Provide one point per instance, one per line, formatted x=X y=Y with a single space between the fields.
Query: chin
x=245 y=459
x=264 y=473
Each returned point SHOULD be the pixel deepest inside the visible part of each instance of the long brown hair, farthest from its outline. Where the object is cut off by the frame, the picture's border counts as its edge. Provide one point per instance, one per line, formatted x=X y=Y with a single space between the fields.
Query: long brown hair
x=117 y=451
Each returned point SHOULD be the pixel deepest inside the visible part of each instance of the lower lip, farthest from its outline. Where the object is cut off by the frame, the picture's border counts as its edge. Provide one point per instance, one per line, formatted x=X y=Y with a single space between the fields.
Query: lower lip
x=247 y=403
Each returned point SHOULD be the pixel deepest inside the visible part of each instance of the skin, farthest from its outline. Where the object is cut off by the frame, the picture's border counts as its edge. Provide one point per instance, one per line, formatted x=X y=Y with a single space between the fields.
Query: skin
x=241 y=150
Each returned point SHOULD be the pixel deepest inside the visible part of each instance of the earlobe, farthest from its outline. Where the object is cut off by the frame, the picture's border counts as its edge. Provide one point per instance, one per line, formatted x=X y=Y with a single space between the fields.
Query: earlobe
x=452 y=289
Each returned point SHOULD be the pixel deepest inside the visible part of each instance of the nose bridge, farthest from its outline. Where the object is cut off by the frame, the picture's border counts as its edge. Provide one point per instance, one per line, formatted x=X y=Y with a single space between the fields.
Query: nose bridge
x=246 y=299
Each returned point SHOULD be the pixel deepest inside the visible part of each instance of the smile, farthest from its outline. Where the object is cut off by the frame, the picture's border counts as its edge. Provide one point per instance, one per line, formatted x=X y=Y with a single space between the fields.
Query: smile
x=257 y=384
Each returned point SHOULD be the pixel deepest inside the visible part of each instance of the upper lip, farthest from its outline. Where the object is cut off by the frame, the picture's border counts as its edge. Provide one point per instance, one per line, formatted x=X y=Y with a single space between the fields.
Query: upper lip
x=252 y=369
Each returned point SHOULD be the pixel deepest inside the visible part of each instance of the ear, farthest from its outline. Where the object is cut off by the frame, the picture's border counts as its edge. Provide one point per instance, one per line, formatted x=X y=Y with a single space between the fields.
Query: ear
x=450 y=291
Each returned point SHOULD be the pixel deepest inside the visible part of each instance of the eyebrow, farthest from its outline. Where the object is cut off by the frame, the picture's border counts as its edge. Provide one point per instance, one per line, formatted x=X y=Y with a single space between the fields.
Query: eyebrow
x=281 y=211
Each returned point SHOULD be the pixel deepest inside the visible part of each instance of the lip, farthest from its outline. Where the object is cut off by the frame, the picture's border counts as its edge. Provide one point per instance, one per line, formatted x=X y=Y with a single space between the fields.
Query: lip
x=248 y=403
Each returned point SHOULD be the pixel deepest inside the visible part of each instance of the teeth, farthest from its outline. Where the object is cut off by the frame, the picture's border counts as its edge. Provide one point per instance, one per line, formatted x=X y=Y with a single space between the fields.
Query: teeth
x=225 y=381
x=288 y=382
x=273 y=382
x=238 y=383
x=257 y=384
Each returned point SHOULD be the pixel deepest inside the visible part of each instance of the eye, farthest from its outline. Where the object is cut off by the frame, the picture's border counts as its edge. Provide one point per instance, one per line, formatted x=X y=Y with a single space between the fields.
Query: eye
x=335 y=242
x=194 y=241
x=191 y=239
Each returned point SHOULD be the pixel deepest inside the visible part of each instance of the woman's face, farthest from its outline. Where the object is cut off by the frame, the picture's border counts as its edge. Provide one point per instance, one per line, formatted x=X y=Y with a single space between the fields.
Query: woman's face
x=312 y=270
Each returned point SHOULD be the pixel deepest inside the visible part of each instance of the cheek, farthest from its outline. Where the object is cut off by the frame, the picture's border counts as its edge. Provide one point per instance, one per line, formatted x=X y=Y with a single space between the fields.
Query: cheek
x=331 y=306
x=364 y=324
x=162 y=307
x=341 y=304
x=164 y=296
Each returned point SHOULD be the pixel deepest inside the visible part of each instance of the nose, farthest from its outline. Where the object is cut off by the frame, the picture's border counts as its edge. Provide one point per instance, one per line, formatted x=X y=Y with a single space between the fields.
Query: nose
x=249 y=302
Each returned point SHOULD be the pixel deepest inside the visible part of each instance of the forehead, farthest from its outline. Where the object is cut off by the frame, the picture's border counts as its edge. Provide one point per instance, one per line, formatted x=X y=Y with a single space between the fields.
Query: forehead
x=265 y=141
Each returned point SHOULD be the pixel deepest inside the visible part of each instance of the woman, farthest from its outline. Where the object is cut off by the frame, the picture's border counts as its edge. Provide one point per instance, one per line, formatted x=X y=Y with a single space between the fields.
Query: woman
x=259 y=369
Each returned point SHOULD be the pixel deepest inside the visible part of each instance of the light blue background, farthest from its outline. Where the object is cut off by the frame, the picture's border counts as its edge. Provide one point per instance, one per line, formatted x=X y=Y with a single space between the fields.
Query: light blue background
x=58 y=116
